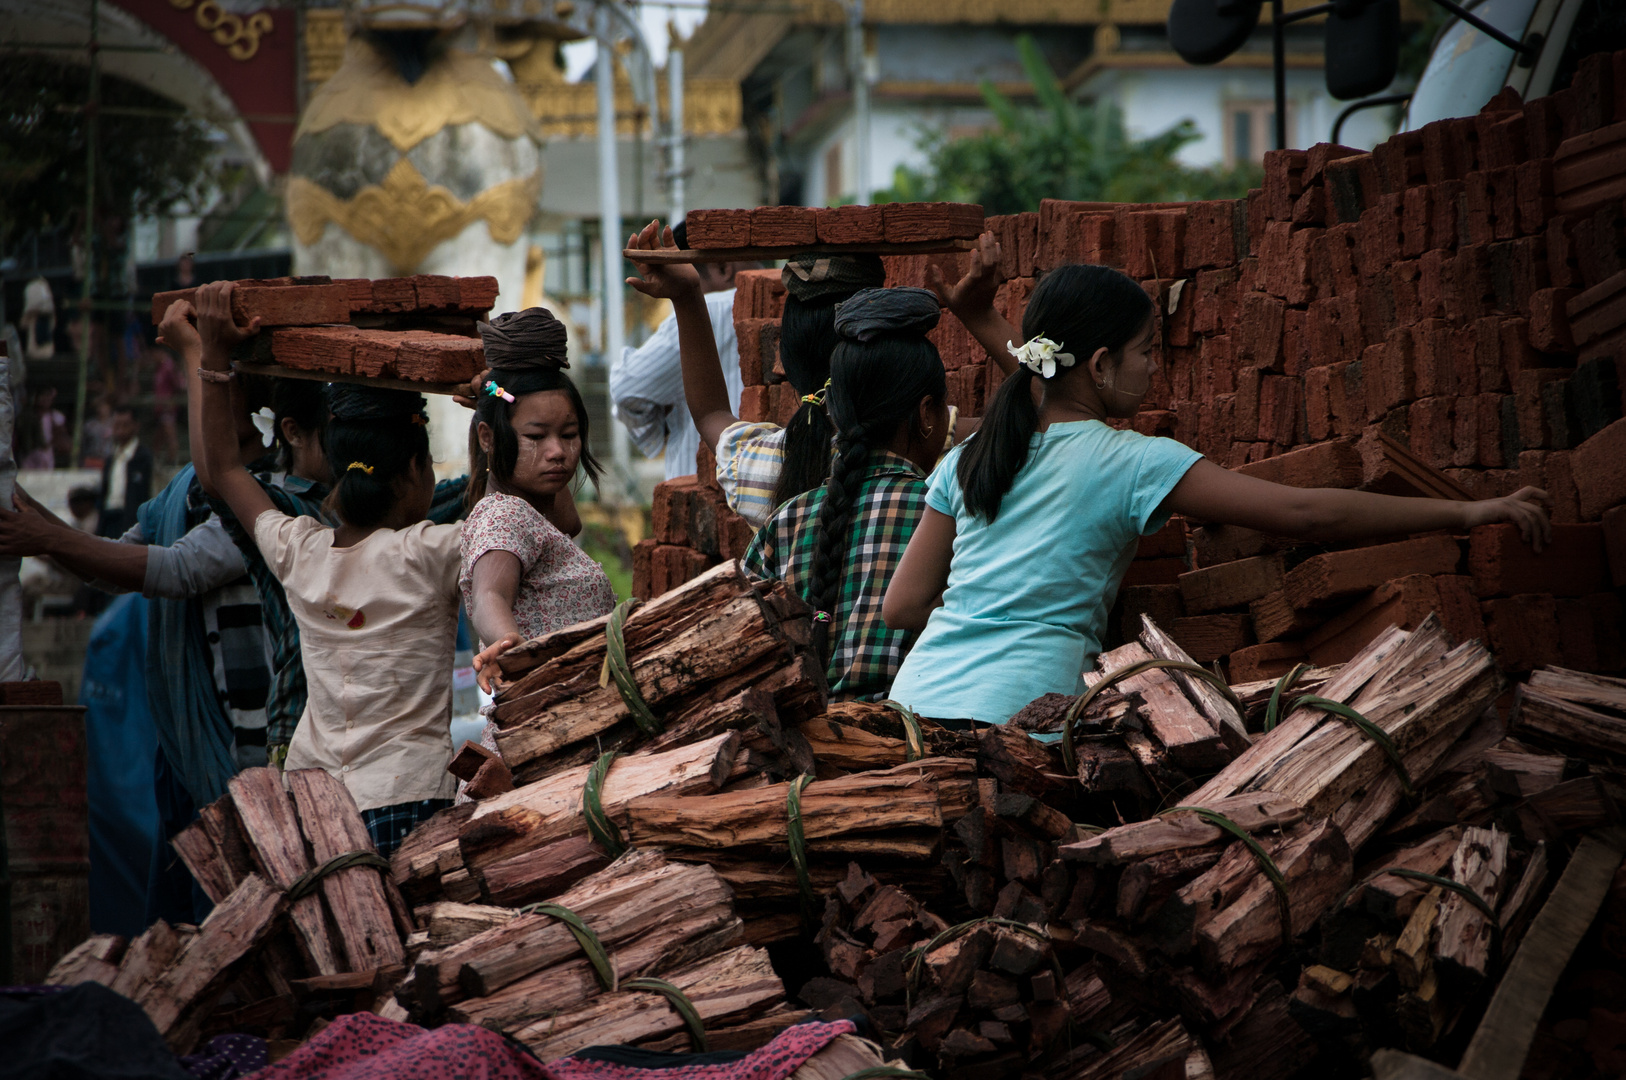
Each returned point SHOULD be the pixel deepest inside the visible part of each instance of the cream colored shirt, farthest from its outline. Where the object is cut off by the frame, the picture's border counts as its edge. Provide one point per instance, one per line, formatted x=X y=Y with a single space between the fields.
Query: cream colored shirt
x=378 y=632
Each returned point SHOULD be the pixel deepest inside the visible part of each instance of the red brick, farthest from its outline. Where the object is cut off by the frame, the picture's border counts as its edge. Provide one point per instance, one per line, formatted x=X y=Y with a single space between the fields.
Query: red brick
x=1027 y=237
x=1563 y=269
x=1296 y=347
x=1594 y=88
x=853 y=225
x=1397 y=378
x=1404 y=602
x=1279 y=416
x=915 y=222
x=1400 y=160
x=1152 y=242
x=1335 y=464
x=1217 y=426
x=1522 y=632
x=1382 y=234
x=1544 y=128
x=1468 y=291
x=1213 y=300
x=754 y=404
x=1352 y=184
x=1160 y=603
x=1211 y=637
x=1284 y=182
x=1549 y=322
x=1297 y=278
x=669 y=510
x=758 y=294
x=1502 y=141
x=1491 y=452
x=734 y=534
x=1533 y=189
x=273 y=305
x=1465 y=433
x=1259 y=338
x=1211 y=231
x=1588 y=170
x=705 y=466
x=1534 y=432
x=1600 y=471
x=715 y=229
x=1317 y=403
x=1417 y=220
x=1346 y=399
x=438 y=358
x=1614 y=539
x=642 y=581
x=1247 y=401
x=1271 y=660
x=1432 y=283
x=1433 y=346
x=1450 y=149
x=1218 y=366
x=1573 y=564
x=1326 y=579
x=1550 y=471
x=1429 y=422
x=1589 y=633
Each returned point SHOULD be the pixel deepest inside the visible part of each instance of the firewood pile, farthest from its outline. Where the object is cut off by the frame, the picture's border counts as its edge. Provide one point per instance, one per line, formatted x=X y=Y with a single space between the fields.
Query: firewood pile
x=1246 y=881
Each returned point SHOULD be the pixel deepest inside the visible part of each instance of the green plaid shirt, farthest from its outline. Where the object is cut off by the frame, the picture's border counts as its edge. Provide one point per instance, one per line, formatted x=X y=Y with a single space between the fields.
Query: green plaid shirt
x=865 y=654
x=298 y=497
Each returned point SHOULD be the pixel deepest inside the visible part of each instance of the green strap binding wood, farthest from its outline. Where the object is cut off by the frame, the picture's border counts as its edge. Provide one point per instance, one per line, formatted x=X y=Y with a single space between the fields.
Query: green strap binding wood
x=1367 y=728
x=307 y=882
x=616 y=668
x=680 y=1004
x=911 y=730
x=1260 y=855
x=605 y=833
x=1273 y=711
x=1446 y=883
x=585 y=937
x=1078 y=707
x=796 y=840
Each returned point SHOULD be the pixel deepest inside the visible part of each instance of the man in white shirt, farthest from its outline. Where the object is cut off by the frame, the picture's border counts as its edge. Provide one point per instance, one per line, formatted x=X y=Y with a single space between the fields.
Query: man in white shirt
x=126 y=478
x=646 y=387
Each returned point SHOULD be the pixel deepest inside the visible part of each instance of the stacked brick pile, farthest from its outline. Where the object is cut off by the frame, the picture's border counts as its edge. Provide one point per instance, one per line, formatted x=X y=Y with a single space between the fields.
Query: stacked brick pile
x=866 y=227
x=417 y=329
x=1444 y=316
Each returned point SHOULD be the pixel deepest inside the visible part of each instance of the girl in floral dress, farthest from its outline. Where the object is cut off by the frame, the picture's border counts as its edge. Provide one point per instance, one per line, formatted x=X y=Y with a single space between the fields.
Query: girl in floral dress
x=521 y=575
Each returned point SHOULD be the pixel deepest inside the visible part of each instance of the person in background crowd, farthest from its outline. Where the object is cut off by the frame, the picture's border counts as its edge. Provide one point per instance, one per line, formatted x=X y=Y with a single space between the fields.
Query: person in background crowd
x=126 y=478
x=838 y=544
x=96 y=443
x=375 y=596
x=646 y=388
x=167 y=383
x=1030 y=526
x=42 y=428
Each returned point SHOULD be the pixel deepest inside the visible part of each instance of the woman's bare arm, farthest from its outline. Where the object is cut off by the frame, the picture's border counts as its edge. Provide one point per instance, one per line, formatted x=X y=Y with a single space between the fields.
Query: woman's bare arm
x=1210 y=493
x=916 y=589
x=494 y=583
x=224 y=475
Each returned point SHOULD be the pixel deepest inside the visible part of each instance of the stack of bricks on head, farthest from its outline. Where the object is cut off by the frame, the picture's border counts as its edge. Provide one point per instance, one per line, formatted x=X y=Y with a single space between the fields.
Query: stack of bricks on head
x=1444 y=316
x=415 y=329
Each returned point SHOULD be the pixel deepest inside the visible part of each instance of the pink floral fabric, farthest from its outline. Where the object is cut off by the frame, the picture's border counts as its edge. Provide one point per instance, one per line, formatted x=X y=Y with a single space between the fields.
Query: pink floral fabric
x=560 y=585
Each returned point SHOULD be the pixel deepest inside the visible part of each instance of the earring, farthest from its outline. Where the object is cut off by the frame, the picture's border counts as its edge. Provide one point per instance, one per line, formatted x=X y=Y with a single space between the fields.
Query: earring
x=927 y=432
x=1100 y=386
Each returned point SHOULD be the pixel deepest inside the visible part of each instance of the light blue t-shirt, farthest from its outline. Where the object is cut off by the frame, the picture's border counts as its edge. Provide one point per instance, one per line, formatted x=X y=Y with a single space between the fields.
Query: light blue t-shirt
x=1028 y=595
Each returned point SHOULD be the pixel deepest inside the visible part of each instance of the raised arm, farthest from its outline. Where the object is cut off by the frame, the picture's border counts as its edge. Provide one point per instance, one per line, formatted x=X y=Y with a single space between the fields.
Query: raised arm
x=971 y=300
x=177 y=330
x=223 y=474
x=704 y=388
x=916 y=589
x=1210 y=493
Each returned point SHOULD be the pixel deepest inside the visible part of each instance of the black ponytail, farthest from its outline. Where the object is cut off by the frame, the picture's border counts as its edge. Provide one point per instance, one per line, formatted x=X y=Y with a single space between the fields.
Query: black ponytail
x=875 y=387
x=807 y=338
x=373 y=439
x=1080 y=307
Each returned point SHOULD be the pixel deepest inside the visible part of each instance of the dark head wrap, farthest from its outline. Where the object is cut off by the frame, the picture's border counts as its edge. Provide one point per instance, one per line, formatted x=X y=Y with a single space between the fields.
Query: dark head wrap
x=807 y=277
x=348 y=401
x=522 y=339
x=867 y=315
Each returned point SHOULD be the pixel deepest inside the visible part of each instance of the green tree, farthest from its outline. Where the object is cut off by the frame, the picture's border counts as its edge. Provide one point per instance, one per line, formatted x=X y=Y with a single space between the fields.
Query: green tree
x=1059 y=149
x=151 y=156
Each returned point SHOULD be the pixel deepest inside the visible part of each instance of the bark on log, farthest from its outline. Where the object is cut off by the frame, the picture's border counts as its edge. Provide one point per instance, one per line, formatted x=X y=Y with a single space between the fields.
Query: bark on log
x=273 y=836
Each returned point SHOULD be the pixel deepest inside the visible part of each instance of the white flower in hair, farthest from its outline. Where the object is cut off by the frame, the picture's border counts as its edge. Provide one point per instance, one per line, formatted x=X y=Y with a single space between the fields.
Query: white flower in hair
x=265 y=421
x=1041 y=356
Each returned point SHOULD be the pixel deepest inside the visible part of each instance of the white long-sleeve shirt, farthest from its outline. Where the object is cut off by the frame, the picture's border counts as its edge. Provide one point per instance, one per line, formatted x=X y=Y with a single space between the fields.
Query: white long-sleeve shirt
x=646 y=387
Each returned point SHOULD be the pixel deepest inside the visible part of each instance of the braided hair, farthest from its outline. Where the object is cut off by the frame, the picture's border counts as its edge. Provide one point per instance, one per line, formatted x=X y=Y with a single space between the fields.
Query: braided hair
x=876 y=386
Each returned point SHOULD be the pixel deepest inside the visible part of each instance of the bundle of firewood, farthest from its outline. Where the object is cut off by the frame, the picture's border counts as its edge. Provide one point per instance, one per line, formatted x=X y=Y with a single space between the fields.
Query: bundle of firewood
x=261 y=852
x=722 y=652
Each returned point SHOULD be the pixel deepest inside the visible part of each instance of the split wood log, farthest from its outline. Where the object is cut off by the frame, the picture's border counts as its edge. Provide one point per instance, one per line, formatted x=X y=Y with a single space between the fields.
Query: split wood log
x=1140 y=1056
x=415 y=866
x=357 y=897
x=627 y=898
x=543 y=871
x=273 y=836
x=724 y=989
x=214 y=850
x=449 y=923
x=148 y=958
x=1221 y=714
x=1464 y=935
x=1572 y=710
x=204 y=967
x=1177 y=829
x=1382 y=901
x=551 y=809
x=93 y=960
x=1190 y=738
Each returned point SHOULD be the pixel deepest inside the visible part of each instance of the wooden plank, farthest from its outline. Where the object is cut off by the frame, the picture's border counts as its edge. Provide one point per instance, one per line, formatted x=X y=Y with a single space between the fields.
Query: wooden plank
x=280 y=372
x=668 y=256
x=1502 y=1042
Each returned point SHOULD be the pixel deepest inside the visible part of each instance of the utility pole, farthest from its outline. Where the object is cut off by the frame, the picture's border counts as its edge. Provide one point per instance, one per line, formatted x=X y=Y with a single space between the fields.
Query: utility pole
x=609 y=201
x=87 y=292
x=859 y=69
x=675 y=164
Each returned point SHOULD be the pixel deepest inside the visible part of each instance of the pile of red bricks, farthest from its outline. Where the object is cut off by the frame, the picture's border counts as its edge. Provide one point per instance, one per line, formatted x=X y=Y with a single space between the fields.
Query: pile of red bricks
x=807 y=226
x=420 y=328
x=1444 y=316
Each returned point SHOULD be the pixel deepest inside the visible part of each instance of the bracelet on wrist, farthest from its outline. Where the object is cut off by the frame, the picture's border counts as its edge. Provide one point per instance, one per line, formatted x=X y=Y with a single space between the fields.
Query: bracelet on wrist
x=210 y=375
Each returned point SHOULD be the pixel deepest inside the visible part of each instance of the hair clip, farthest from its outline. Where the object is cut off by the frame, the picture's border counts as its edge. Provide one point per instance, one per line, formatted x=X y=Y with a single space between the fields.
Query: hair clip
x=821 y=616
x=818 y=396
x=493 y=390
x=362 y=465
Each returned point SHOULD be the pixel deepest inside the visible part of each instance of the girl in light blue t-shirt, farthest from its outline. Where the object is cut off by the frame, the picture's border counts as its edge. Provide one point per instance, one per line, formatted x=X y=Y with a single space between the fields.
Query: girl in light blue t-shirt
x=1030 y=525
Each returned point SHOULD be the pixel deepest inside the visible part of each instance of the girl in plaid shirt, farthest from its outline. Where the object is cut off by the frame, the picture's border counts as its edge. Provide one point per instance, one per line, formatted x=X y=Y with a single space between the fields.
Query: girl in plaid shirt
x=838 y=544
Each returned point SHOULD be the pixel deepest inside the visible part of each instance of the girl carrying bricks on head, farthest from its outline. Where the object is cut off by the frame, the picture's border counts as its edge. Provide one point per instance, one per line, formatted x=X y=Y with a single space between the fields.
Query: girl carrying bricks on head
x=762 y=465
x=375 y=597
x=521 y=576
x=838 y=544
x=1030 y=526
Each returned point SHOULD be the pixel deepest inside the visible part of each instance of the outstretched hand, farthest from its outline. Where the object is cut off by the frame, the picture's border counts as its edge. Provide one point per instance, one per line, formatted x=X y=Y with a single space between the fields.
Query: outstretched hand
x=217 y=327
x=664 y=281
x=485 y=662
x=974 y=293
x=26 y=531
x=1526 y=508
